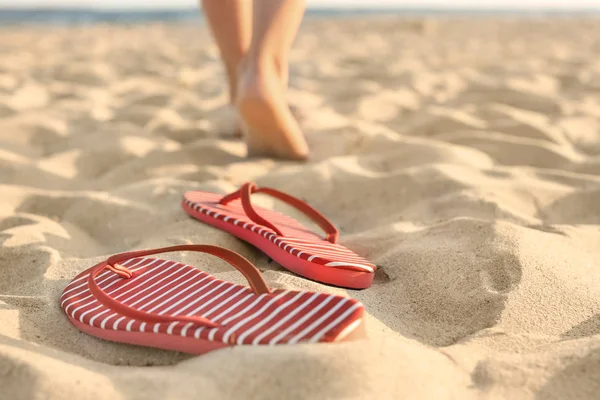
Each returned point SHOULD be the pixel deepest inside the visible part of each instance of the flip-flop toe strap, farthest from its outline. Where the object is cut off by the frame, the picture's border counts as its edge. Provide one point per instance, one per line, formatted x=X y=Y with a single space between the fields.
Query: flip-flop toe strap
x=252 y=274
x=249 y=188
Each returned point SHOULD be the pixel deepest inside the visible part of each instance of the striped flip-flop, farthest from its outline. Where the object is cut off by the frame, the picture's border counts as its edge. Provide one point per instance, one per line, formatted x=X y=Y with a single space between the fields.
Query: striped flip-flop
x=283 y=238
x=152 y=302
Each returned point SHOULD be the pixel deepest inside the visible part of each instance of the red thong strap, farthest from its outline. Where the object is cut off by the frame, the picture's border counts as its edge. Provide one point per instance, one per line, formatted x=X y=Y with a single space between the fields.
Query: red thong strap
x=252 y=274
x=249 y=188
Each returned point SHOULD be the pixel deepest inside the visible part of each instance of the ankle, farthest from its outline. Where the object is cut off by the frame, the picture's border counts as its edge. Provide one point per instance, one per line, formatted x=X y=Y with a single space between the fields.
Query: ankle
x=232 y=81
x=263 y=65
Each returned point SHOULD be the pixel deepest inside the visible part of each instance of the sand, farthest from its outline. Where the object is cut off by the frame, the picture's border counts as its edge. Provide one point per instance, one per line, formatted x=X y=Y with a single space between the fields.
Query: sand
x=461 y=156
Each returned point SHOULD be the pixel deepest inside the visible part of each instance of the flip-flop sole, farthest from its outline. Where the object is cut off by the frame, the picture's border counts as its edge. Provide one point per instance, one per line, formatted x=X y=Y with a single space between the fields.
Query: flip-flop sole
x=170 y=288
x=330 y=275
x=189 y=345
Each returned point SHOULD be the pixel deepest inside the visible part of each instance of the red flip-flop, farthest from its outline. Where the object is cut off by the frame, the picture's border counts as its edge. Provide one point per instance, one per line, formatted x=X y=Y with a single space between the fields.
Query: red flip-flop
x=152 y=302
x=283 y=238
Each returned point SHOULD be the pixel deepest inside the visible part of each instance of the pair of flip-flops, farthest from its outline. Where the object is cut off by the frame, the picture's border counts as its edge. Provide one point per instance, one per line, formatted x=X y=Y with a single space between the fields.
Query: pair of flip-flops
x=153 y=302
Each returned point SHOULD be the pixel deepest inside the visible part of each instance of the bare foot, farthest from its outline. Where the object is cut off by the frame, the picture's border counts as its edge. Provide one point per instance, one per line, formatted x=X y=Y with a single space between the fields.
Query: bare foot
x=232 y=125
x=269 y=126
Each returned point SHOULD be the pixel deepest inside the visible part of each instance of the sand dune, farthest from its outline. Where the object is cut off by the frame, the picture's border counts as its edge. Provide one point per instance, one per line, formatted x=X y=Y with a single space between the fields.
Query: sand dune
x=462 y=157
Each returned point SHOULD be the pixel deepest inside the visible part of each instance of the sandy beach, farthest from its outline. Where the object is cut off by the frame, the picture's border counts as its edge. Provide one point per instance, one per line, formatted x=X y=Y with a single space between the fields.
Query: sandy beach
x=460 y=156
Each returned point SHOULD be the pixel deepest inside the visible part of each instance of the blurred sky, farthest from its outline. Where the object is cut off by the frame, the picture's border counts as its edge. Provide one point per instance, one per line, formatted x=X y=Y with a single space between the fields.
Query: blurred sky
x=141 y=4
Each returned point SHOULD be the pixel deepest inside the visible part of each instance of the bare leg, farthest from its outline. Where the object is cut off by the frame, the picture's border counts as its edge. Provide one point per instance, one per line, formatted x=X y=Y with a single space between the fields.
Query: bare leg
x=271 y=129
x=231 y=24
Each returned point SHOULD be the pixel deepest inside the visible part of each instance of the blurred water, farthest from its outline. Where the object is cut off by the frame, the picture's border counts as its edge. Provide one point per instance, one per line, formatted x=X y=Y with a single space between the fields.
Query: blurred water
x=81 y=16
x=13 y=16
